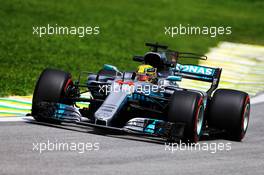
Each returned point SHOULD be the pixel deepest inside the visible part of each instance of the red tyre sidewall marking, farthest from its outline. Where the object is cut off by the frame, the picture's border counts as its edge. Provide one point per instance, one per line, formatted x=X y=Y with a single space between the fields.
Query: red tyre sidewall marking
x=242 y=134
x=196 y=120
x=69 y=82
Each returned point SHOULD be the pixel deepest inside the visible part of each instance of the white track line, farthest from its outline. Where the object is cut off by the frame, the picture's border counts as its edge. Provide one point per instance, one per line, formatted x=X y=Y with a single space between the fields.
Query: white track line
x=15 y=119
x=257 y=99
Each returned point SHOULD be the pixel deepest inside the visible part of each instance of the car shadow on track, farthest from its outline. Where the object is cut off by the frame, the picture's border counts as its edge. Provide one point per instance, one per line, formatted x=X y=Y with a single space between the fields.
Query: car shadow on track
x=113 y=134
x=97 y=131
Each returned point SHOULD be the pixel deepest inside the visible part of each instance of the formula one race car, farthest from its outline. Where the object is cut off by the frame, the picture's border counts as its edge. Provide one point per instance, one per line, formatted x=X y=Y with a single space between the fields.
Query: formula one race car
x=147 y=101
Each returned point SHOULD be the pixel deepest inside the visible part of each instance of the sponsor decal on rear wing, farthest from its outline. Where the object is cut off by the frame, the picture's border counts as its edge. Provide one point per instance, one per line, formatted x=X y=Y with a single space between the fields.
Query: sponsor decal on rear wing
x=195 y=72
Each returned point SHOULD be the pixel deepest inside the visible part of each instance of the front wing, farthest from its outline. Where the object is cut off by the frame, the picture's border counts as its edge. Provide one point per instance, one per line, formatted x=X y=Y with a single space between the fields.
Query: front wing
x=136 y=126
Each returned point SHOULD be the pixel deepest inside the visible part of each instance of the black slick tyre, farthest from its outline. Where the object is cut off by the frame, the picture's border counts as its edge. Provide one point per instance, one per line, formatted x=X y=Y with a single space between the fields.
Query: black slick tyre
x=187 y=107
x=51 y=87
x=229 y=110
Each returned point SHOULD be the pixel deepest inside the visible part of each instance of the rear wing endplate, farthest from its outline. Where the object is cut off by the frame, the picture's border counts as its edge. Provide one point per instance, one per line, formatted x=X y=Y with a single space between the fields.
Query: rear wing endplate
x=200 y=73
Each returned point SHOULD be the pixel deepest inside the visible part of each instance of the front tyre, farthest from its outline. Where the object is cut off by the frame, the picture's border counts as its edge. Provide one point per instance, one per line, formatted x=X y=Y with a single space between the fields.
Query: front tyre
x=187 y=107
x=52 y=86
x=230 y=110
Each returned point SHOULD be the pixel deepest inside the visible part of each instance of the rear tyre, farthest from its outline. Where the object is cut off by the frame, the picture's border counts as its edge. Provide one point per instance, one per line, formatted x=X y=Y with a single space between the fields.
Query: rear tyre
x=229 y=110
x=52 y=86
x=187 y=107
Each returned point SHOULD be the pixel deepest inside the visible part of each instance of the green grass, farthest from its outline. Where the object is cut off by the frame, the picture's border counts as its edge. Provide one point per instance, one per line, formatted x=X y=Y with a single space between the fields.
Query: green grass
x=124 y=28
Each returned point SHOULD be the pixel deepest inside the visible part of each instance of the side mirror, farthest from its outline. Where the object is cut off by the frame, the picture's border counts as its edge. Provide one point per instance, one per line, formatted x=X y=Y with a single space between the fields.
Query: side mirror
x=174 y=78
x=138 y=58
x=110 y=68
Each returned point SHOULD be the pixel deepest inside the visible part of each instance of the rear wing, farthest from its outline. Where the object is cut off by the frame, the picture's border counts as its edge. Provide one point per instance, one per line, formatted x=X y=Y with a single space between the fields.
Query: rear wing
x=201 y=73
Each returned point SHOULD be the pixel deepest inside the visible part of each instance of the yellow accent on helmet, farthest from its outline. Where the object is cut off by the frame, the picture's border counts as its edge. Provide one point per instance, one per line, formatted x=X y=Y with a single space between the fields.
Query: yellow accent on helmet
x=142 y=69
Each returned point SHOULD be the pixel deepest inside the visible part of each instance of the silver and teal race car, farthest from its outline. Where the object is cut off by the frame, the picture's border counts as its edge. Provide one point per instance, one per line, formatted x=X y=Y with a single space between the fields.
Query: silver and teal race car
x=145 y=102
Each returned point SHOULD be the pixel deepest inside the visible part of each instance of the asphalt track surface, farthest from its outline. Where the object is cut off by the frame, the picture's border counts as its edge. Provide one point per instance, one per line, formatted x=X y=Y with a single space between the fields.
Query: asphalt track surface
x=124 y=154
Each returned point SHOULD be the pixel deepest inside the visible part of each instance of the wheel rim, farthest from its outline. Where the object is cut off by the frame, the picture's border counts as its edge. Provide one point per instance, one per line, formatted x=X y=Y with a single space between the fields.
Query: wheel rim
x=199 y=123
x=246 y=117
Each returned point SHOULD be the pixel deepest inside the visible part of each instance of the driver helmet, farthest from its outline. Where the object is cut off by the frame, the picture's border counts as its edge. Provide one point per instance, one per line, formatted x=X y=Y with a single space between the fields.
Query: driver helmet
x=146 y=73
